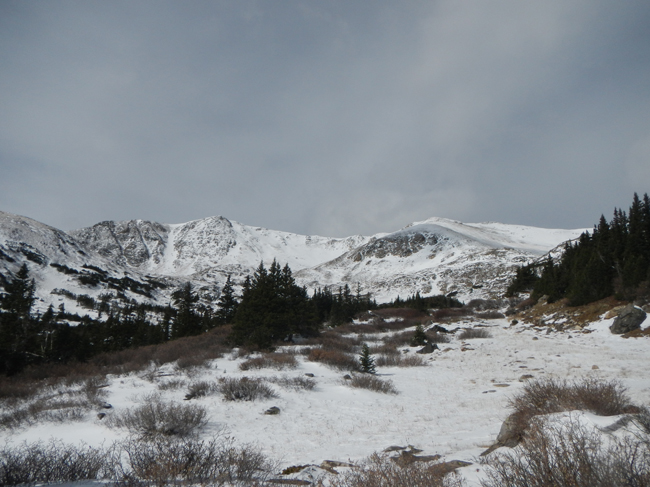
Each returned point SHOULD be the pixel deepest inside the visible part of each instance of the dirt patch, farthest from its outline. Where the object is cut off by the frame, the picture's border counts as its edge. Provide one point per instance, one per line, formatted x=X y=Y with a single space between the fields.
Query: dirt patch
x=560 y=316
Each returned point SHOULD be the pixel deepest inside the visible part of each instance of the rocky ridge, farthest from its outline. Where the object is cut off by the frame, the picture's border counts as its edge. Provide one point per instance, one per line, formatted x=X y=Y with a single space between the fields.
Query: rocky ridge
x=146 y=260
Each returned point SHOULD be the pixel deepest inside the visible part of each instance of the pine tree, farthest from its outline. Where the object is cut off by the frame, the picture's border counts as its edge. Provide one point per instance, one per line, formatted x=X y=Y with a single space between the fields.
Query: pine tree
x=366 y=360
x=419 y=337
x=187 y=321
x=227 y=303
x=19 y=297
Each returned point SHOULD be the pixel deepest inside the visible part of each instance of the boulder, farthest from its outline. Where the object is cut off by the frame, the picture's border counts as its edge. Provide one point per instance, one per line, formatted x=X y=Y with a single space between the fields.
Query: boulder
x=510 y=432
x=628 y=319
x=428 y=348
x=272 y=410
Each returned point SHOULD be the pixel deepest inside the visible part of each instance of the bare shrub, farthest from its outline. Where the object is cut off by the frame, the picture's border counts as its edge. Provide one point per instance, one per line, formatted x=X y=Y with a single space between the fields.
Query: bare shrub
x=200 y=389
x=549 y=395
x=471 y=333
x=199 y=361
x=400 y=360
x=278 y=361
x=65 y=400
x=385 y=349
x=333 y=340
x=570 y=455
x=172 y=384
x=372 y=383
x=51 y=462
x=490 y=315
x=217 y=462
x=398 y=339
x=333 y=358
x=157 y=418
x=449 y=314
x=299 y=383
x=244 y=389
x=380 y=471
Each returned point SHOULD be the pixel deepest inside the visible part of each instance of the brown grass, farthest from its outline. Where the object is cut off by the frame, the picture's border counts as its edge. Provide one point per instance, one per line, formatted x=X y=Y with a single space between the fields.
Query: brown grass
x=471 y=333
x=549 y=395
x=400 y=360
x=381 y=471
x=278 y=361
x=571 y=456
x=333 y=358
x=451 y=314
x=371 y=383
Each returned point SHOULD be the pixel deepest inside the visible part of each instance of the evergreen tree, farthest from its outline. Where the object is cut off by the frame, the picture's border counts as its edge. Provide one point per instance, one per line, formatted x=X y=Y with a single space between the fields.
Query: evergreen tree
x=419 y=336
x=273 y=308
x=187 y=321
x=19 y=297
x=227 y=303
x=366 y=361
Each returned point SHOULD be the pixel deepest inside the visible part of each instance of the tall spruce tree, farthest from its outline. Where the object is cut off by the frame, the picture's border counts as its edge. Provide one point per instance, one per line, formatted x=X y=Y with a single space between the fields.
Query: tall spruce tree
x=227 y=303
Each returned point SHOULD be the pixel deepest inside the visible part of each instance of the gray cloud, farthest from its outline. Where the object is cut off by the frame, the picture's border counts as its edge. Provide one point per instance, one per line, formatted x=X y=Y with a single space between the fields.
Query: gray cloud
x=332 y=118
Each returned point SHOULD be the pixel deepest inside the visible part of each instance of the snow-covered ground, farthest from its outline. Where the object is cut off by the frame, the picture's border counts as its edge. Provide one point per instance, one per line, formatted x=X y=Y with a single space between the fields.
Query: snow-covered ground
x=453 y=406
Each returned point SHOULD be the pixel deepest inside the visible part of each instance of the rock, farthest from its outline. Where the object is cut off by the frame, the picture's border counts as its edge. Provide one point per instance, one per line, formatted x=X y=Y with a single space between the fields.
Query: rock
x=438 y=329
x=334 y=463
x=628 y=319
x=101 y=416
x=525 y=377
x=594 y=367
x=394 y=448
x=408 y=457
x=347 y=377
x=510 y=432
x=428 y=348
x=273 y=410
x=309 y=375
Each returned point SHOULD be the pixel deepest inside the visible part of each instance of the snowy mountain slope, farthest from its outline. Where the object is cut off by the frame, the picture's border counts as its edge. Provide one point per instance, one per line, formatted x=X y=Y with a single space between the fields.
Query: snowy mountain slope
x=439 y=256
x=146 y=260
x=59 y=263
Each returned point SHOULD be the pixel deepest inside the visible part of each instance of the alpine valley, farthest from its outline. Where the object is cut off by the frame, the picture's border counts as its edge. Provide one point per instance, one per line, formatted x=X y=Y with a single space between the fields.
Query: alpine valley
x=146 y=261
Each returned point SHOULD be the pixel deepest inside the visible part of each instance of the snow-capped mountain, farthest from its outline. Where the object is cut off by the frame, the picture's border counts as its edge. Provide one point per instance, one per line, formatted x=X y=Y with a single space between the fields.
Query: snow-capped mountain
x=146 y=261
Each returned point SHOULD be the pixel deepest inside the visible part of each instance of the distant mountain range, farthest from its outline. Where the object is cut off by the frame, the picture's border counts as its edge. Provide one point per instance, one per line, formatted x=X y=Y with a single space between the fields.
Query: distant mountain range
x=146 y=261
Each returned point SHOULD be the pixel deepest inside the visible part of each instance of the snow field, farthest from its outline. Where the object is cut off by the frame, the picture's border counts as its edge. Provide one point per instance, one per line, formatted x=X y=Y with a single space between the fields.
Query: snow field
x=454 y=406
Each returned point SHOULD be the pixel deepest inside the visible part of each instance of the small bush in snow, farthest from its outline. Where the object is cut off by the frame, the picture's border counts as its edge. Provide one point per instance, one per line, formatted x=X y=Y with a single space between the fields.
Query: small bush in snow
x=470 y=333
x=165 y=461
x=200 y=389
x=278 y=361
x=333 y=358
x=50 y=462
x=156 y=418
x=244 y=389
x=295 y=383
x=545 y=396
x=372 y=383
x=393 y=360
x=381 y=471
x=570 y=455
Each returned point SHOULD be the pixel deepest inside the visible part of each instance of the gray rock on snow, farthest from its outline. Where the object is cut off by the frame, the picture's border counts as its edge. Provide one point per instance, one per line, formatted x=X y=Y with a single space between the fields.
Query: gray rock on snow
x=628 y=319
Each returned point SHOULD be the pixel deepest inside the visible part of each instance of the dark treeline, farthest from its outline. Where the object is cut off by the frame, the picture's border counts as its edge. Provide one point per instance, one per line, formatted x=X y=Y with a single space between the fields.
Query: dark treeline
x=612 y=260
x=417 y=302
x=271 y=309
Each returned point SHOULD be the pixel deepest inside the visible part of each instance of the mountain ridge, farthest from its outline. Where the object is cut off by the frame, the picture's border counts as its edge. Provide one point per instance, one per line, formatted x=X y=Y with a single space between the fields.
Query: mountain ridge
x=433 y=256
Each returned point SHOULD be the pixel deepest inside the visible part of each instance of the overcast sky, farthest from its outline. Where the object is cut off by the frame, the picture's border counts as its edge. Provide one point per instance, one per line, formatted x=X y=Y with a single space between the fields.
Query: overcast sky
x=324 y=116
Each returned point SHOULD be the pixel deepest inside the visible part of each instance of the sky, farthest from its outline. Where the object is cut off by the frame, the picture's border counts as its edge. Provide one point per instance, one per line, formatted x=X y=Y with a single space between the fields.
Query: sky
x=321 y=117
